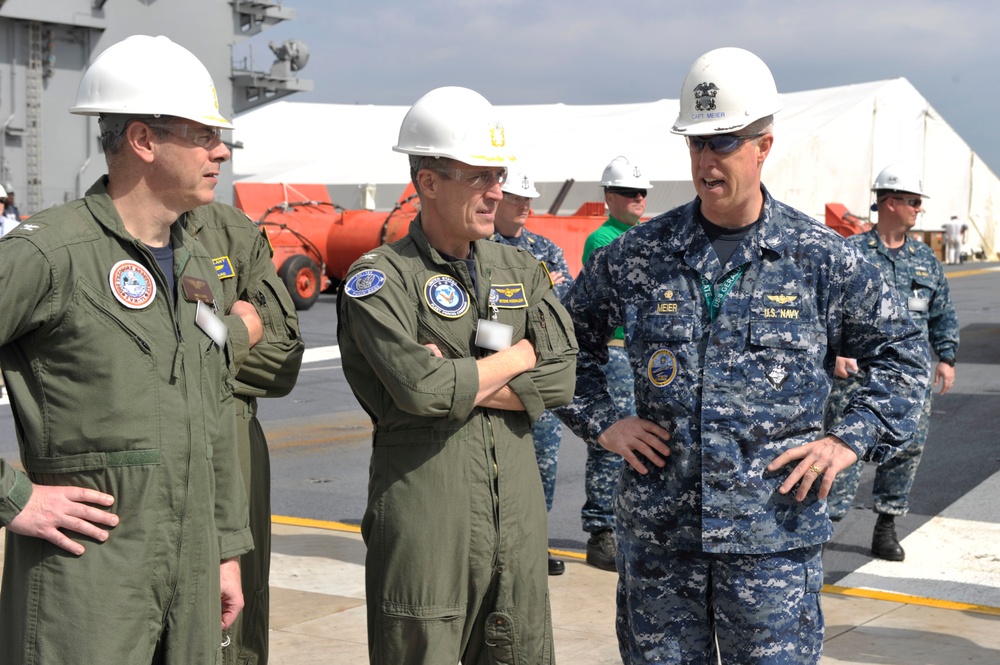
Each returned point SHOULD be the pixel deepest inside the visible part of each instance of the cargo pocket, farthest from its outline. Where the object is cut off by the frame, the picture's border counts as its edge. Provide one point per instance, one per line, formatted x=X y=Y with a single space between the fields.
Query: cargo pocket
x=501 y=639
x=424 y=634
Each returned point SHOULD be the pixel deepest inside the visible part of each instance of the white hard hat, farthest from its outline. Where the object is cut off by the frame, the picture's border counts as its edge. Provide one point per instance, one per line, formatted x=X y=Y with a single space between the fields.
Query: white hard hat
x=3 y=192
x=724 y=91
x=519 y=184
x=621 y=173
x=144 y=75
x=894 y=178
x=457 y=123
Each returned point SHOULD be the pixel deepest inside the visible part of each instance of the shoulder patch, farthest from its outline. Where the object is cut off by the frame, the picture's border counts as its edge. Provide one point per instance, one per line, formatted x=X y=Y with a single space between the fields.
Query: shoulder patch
x=364 y=283
x=263 y=232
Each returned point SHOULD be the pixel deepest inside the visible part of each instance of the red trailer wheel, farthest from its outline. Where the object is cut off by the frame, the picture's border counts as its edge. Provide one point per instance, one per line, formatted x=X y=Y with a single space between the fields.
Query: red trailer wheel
x=302 y=279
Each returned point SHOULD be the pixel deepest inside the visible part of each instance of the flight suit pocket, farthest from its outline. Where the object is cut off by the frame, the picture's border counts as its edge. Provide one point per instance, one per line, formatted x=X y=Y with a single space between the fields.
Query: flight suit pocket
x=550 y=330
x=501 y=639
x=273 y=312
x=437 y=628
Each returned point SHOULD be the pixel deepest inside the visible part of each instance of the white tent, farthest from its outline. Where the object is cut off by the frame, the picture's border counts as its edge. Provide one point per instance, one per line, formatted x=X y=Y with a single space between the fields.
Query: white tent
x=829 y=145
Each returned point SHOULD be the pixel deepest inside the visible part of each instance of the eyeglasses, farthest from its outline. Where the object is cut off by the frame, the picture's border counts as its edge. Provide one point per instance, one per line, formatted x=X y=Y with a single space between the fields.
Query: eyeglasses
x=628 y=192
x=484 y=179
x=200 y=135
x=723 y=144
x=914 y=202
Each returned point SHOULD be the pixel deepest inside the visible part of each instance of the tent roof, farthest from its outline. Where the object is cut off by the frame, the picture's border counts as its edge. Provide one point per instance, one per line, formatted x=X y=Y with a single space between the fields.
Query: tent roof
x=829 y=145
x=351 y=144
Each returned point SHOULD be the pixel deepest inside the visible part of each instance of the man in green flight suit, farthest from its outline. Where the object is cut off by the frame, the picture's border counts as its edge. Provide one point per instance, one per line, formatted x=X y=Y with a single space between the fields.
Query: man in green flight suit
x=124 y=531
x=455 y=345
x=242 y=256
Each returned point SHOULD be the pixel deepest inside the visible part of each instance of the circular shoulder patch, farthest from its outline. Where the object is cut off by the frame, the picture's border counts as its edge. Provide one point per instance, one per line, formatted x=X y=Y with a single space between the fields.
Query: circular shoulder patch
x=446 y=296
x=132 y=284
x=662 y=368
x=364 y=283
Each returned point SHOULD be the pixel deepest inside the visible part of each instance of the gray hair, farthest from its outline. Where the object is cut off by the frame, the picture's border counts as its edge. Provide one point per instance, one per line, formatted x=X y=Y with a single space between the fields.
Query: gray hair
x=113 y=126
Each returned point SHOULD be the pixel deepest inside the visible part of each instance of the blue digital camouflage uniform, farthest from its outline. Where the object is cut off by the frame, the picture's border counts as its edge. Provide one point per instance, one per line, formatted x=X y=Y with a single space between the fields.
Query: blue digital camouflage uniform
x=736 y=392
x=917 y=275
x=547 y=430
x=603 y=466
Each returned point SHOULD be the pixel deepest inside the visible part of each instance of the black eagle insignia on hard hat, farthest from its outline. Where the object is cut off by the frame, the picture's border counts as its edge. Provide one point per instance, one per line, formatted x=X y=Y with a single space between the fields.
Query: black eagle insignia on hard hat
x=704 y=96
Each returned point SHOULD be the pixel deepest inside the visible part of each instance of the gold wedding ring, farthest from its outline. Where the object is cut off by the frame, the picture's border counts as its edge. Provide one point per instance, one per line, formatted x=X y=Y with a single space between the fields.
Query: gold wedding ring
x=815 y=469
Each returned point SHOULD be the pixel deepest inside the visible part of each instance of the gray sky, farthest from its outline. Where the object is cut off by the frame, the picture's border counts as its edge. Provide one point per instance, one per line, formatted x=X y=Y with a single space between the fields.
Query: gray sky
x=604 y=52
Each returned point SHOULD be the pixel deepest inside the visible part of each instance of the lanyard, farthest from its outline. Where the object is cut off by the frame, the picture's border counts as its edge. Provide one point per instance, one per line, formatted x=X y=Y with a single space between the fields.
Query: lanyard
x=714 y=298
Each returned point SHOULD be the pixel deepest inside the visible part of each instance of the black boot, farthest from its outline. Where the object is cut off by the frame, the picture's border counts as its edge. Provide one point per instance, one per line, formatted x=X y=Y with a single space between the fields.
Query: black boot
x=885 y=545
x=556 y=566
x=601 y=550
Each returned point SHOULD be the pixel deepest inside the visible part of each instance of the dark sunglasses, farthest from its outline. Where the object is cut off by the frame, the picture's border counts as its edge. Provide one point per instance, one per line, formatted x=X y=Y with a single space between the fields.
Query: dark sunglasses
x=723 y=144
x=912 y=202
x=628 y=193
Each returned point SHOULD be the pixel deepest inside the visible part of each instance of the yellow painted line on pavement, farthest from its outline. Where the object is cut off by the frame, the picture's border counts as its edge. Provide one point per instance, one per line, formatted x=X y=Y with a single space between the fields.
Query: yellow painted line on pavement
x=870 y=594
x=968 y=273
x=873 y=594
x=316 y=524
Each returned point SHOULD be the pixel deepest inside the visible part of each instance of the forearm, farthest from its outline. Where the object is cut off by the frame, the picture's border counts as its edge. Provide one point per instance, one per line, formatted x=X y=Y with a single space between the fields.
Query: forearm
x=496 y=370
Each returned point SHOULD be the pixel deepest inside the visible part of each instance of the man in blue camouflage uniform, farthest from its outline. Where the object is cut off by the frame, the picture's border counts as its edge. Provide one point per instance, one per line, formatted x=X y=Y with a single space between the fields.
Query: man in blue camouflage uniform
x=735 y=307
x=912 y=269
x=511 y=216
x=625 y=189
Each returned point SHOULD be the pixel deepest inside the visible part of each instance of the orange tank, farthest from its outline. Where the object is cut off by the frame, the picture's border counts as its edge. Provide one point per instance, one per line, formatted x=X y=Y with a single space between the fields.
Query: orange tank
x=315 y=241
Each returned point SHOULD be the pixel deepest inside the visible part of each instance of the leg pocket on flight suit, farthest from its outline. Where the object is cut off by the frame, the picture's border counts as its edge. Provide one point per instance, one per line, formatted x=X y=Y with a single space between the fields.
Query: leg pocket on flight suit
x=421 y=634
x=501 y=639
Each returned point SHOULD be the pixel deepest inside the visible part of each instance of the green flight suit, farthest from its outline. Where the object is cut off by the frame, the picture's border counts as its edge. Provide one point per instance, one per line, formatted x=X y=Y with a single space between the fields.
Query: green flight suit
x=242 y=256
x=131 y=398
x=457 y=566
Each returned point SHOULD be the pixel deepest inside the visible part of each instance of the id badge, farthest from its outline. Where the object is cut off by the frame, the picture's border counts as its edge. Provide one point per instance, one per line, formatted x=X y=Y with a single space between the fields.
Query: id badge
x=493 y=335
x=917 y=304
x=213 y=326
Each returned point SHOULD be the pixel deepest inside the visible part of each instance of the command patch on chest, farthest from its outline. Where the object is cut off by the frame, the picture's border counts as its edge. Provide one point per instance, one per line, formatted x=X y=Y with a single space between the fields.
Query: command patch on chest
x=445 y=296
x=508 y=296
x=132 y=284
x=364 y=283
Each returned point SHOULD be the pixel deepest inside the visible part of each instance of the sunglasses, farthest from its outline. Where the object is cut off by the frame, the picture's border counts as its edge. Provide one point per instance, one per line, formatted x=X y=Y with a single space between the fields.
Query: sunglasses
x=723 y=144
x=913 y=202
x=628 y=193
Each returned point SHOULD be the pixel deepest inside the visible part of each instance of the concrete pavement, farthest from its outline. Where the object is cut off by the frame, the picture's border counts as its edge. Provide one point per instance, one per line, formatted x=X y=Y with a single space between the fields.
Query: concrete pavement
x=318 y=612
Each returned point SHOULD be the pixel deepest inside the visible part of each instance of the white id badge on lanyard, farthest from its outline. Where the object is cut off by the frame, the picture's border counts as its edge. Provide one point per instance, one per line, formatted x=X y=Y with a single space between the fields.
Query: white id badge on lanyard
x=213 y=326
x=493 y=335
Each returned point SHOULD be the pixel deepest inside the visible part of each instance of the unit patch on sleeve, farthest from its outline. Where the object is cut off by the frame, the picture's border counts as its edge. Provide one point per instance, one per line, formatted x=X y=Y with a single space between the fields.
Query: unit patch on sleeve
x=223 y=267
x=364 y=283
x=445 y=295
x=508 y=296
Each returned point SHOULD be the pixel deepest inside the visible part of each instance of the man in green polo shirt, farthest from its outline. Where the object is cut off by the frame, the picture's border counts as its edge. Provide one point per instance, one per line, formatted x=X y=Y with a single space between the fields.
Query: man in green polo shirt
x=625 y=195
